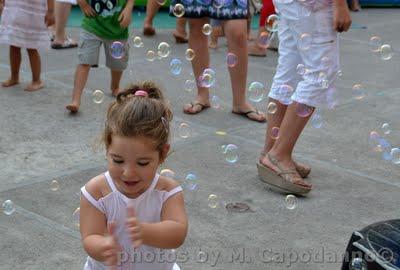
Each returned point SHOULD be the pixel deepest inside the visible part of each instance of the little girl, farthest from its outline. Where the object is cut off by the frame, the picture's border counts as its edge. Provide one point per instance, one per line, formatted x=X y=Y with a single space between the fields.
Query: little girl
x=130 y=213
x=24 y=25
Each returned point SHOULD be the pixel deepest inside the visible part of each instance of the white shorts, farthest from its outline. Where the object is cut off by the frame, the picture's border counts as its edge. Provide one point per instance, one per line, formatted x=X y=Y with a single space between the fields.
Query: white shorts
x=73 y=2
x=316 y=86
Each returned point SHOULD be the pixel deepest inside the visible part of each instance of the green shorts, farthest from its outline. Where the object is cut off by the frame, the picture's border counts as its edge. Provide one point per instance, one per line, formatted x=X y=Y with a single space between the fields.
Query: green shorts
x=89 y=49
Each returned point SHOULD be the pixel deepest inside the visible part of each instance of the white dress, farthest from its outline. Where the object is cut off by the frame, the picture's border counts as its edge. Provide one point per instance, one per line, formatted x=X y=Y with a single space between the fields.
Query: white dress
x=148 y=208
x=22 y=24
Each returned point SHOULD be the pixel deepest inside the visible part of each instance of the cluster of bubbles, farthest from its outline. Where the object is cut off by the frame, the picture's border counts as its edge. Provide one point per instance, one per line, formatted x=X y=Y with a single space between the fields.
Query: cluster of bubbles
x=385 y=50
x=380 y=144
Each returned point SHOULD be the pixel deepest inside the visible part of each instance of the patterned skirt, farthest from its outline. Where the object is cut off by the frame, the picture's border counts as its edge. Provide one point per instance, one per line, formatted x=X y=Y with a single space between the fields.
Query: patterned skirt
x=22 y=24
x=216 y=9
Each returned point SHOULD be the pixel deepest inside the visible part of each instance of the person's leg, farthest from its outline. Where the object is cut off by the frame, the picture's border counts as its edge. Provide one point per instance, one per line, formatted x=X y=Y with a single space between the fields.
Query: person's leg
x=15 y=63
x=152 y=8
x=217 y=31
x=273 y=120
x=34 y=59
x=198 y=42
x=236 y=34
x=180 y=32
x=61 y=13
x=115 y=80
x=81 y=76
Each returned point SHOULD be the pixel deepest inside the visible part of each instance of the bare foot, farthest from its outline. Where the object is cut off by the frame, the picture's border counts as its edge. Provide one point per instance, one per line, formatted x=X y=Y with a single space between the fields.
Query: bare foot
x=73 y=108
x=180 y=37
x=10 y=82
x=34 y=86
x=255 y=50
x=279 y=166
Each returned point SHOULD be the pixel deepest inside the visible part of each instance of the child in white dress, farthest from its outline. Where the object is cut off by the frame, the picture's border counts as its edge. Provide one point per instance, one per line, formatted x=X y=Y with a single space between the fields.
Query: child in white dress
x=130 y=213
x=24 y=25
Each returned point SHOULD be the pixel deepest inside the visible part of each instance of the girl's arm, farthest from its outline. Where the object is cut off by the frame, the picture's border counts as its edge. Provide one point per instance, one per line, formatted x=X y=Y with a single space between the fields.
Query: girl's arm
x=93 y=227
x=171 y=231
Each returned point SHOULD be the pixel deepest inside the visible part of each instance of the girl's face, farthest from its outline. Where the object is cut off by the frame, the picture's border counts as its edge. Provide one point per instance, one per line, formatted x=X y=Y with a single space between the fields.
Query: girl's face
x=133 y=163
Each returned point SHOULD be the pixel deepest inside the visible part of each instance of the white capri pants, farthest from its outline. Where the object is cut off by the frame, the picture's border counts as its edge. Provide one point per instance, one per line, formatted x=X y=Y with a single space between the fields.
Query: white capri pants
x=316 y=86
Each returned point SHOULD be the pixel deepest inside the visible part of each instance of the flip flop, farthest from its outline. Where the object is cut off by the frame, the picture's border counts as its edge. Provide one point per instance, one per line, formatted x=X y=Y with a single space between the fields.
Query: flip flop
x=202 y=107
x=246 y=114
x=280 y=180
x=149 y=31
x=68 y=44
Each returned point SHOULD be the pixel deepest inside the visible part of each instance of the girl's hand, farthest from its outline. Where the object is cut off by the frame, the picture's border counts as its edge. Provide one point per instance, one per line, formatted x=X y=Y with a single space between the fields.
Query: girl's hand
x=49 y=18
x=134 y=227
x=341 y=17
x=111 y=248
x=86 y=9
x=125 y=17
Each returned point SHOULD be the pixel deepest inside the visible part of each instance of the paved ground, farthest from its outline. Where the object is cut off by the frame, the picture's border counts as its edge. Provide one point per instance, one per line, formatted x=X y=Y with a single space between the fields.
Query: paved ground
x=354 y=187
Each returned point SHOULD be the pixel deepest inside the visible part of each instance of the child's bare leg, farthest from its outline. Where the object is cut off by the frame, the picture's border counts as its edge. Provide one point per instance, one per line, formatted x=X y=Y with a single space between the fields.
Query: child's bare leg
x=81 y=75
x=249 y=36
x=34 y=60
x=217 y=32
x=115 y=80
x=15 y=63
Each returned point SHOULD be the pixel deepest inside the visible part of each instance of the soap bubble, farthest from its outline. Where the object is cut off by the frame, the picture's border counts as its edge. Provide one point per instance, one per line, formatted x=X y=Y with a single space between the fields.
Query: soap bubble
x=117 y=50
x=54 y=185
x=358 y=91
x=305 y=41
x=137 y=42
x=184 y=130
x=231 y=153
x=275 y=133
x=386 y=128
x=150 y=55
x=323 y=80
x=264 y=39
x=98 y=96
x=190 y=85
x=168 y=173
x=301 y=69
x=231 y=59
x=213 y=201
x=206 y=29
x=164 y=49
x=76 y=216
x=208 y=78
x=358 y=264
x=8 y=207
x=178 y=10
x=256 y=91
x=316 y=120
x=395 y=155
x=386 y=52
x=271 y=24
x=190 y=54
x=272 y=107
x=304 y=110
x=291 y=202
x=375 y=43
x=175 y=66
x=190 y=182
x=285 y=93
x=215 y=102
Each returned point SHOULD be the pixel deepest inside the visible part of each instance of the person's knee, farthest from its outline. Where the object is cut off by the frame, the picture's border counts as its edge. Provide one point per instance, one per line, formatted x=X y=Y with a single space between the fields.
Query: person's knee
x=239 y=38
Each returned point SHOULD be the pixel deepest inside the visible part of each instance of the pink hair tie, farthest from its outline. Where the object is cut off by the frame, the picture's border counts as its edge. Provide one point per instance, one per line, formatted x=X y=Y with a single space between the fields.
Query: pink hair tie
x=141 y=93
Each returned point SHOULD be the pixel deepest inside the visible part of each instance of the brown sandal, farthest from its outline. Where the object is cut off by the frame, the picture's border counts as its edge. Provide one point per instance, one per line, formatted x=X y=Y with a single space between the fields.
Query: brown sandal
x=282 y=180
x=302 y=170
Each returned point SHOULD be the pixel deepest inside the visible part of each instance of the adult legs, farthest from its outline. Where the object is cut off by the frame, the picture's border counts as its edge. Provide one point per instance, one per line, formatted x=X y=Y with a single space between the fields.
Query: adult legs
x=198 y=42
x=236 y=34
x=62 y=11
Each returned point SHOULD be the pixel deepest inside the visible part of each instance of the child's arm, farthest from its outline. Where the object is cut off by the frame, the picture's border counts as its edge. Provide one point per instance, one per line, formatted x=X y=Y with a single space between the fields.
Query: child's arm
x=98 y=240
x=86 y=8
x=341 y=16
x=126 y=15
x=169 y=233
x=49 y=17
